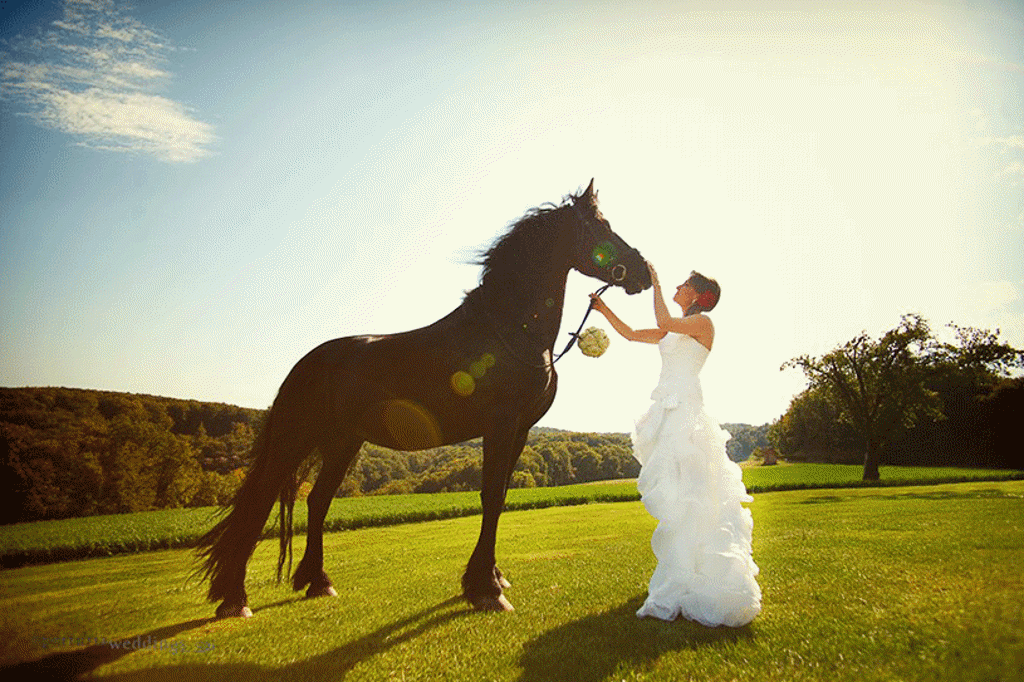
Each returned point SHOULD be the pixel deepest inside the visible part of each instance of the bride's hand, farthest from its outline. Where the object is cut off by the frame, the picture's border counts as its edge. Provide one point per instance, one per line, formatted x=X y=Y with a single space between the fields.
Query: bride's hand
x=654 y=275
x=597 y=304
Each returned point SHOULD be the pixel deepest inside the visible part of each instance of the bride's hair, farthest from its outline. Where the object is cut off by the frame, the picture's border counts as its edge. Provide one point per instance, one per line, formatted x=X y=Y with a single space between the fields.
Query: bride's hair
x=708 y=293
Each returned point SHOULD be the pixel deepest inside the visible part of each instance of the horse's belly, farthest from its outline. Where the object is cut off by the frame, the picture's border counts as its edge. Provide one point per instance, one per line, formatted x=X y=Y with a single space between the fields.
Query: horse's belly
x=435 y=395
x=409 y=424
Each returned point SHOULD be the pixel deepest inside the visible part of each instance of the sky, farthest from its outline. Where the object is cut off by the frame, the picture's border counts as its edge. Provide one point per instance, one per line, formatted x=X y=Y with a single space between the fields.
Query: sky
x=195 y=194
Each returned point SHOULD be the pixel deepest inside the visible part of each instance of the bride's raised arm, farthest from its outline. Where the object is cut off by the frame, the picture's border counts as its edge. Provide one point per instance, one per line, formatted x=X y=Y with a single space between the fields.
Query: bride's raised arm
x=661 y=313
x=627 y=332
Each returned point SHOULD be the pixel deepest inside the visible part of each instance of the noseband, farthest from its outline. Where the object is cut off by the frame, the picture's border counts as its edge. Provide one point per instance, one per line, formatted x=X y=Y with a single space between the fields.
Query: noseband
x=619 y=270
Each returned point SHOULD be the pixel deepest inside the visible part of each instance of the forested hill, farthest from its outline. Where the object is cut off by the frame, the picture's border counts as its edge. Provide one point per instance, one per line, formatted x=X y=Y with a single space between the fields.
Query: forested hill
x=73 y=452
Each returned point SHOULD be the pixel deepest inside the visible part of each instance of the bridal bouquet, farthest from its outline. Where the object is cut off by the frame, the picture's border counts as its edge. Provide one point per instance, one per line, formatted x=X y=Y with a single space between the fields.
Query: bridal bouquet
x=593 y=342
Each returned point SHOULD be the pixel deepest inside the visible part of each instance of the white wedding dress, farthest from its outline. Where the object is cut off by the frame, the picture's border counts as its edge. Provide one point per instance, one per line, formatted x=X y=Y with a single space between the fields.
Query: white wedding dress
x=705 y=569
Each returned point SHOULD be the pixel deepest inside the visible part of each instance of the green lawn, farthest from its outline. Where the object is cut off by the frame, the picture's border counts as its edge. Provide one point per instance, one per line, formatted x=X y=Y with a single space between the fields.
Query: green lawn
x=807 y=476
x=915 y=583
x=47 y=541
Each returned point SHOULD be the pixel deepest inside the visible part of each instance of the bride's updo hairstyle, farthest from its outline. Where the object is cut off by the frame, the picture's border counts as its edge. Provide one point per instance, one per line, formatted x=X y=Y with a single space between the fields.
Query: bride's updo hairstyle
x=708 y=293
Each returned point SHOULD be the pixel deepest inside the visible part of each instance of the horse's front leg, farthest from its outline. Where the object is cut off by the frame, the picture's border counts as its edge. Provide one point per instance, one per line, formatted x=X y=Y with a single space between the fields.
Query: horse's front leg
x=482 y=581
x=502 y=580
x=509 y=468
x=547 y=399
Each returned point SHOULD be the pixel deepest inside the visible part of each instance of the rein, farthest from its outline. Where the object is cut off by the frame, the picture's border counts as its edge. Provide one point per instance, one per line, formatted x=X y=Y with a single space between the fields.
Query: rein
x=575 y=335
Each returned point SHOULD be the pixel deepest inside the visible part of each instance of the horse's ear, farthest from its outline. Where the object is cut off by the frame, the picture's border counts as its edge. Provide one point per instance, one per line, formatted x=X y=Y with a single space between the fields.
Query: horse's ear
x=589 y=195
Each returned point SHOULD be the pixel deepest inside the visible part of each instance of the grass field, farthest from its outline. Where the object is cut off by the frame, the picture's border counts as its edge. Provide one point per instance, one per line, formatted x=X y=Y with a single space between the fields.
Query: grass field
x=910 y=583
x=63 y=540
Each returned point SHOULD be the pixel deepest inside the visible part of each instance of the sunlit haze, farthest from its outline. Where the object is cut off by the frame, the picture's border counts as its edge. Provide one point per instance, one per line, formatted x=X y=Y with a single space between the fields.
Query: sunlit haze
x=194 y=194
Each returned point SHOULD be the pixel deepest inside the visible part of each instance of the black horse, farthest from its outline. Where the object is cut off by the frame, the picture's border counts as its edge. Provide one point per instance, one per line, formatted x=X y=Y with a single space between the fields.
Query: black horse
x=485 y=370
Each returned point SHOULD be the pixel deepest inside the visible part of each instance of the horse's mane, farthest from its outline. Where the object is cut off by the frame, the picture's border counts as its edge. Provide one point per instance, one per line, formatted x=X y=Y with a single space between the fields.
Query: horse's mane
x=510 y=264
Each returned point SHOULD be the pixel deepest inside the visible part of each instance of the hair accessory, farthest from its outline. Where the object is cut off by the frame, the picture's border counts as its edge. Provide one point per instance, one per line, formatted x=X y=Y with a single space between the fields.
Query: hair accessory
x=707 y=300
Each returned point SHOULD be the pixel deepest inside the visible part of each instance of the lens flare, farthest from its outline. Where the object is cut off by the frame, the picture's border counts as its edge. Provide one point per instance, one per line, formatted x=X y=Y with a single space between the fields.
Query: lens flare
x=411 y=425
x=604 y=254
x=463 y=383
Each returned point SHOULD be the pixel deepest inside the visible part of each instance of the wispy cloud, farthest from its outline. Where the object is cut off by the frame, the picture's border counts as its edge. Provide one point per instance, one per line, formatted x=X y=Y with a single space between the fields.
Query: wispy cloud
x=96 y=74
x=1004 y=144
x=1010 y=149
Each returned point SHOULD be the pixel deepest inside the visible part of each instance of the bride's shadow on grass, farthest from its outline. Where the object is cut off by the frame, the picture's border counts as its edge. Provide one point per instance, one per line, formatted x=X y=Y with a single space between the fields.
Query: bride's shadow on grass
x=592 y=649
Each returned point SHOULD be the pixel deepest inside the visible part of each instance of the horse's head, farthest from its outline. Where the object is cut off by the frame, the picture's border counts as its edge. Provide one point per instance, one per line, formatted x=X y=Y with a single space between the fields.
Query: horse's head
x=601 y=253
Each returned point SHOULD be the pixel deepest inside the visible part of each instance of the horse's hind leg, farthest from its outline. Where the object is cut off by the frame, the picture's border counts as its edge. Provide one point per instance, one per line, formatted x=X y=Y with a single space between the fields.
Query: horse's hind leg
x=310 y=570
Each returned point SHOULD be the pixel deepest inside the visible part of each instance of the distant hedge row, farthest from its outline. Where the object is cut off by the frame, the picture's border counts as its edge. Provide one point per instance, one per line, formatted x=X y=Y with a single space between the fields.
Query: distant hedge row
x=73 y=452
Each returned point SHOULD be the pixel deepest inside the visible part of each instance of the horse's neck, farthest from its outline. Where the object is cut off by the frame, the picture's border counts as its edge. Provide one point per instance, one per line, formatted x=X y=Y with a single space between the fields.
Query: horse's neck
x=528 y=308
x=526 y=302
x=542 y=312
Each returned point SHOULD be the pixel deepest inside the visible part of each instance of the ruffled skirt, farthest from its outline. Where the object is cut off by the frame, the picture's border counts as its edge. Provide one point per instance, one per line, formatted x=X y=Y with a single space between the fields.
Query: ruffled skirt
x=705 y=569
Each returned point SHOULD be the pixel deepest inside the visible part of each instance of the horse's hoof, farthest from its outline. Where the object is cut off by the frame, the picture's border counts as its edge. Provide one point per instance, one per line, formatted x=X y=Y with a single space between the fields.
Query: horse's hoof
x=328 y=591
x=505 y=584
x=498 y=603
x=243 y=611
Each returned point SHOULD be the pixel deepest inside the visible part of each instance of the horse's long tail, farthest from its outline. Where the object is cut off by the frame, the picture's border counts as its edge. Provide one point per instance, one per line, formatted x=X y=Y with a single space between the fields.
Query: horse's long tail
x=278 y=455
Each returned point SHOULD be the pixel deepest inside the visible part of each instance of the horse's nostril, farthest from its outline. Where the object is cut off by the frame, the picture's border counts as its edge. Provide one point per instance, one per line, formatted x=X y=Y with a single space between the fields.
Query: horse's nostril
x=619 y=272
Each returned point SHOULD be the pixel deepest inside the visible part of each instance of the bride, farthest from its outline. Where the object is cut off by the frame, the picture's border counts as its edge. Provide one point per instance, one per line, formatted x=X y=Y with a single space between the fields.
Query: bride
x=705 y=570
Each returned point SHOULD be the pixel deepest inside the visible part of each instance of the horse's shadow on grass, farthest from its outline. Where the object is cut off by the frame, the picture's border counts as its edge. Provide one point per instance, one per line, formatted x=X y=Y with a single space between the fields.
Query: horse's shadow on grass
x=591 y=649
x=334 y=664
x=71 y=665
x=594 y=648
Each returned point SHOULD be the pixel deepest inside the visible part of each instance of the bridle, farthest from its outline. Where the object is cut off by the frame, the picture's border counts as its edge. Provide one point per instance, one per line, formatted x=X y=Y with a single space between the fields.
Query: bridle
x=618 y=273
x=619 y=270
x=575 y=335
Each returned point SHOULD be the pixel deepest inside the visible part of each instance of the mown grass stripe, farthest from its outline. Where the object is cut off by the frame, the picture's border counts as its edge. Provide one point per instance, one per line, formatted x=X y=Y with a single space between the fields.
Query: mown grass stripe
x=97 y=536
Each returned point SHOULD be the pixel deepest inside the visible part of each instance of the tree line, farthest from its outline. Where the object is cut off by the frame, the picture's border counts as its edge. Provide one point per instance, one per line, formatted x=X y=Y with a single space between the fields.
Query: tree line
x=904 y=398
x=73 y=452
x=69 y=452
x=908 y=398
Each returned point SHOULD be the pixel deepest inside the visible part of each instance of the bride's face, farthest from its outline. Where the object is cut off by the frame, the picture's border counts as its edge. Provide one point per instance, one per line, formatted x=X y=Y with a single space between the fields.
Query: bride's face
x=685 y=295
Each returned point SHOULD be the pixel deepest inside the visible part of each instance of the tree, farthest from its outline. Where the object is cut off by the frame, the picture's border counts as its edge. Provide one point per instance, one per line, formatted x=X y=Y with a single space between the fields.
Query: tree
x=1003 y=409
x=970 y=377
x=883 y=387
x=558 y=463
x=878 y=386
x=745 y=439
x=812 y=430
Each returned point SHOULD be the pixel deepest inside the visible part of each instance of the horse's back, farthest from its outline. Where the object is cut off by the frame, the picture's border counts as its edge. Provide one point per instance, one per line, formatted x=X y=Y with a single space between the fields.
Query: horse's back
x=411 y=390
